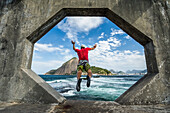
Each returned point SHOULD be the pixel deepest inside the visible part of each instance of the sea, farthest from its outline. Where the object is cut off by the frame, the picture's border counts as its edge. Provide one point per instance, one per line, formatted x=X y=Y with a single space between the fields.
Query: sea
x=102 y=88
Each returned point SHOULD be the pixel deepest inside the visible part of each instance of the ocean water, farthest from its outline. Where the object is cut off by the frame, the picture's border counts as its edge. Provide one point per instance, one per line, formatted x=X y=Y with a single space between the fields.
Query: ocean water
x=104 y=88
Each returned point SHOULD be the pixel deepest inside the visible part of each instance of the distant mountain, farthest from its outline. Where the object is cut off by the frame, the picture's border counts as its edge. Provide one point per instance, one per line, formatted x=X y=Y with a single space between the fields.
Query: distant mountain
x=137 y=71
x=70 y=67
x=112 y=71
x=144 y=71
x=120 y=72
x=67 y=68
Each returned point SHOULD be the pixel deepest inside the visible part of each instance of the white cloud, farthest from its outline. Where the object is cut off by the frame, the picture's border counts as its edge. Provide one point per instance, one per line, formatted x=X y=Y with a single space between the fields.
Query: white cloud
x=101 y=36
x=41 y=67
x=106 y=45
x=63 y=39
x=104 y=50
x=116 y=32
x=104 y=56
x=117 y=60
x=74 y=25
x=127 y=37
x=61 y=46
x=103 y=46
x=127 y=52
x=51 y=48
x=45 y=47
x=114 y=42
x=40 y=63
x=36 y=56
x=65 y=52
x=67 y=57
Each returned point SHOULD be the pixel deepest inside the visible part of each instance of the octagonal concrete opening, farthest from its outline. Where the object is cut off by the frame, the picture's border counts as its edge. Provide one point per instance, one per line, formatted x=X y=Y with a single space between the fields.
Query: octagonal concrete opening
x=44 y=61
x=136 y=34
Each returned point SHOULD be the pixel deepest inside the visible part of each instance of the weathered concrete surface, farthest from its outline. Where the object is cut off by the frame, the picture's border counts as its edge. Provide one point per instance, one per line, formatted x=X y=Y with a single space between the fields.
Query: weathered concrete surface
x=49 y=95
x=23 y=22
x=82 y=106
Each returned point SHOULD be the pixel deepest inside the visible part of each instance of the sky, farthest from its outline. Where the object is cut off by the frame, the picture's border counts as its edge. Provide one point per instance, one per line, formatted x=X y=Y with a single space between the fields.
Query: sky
x=115 y=49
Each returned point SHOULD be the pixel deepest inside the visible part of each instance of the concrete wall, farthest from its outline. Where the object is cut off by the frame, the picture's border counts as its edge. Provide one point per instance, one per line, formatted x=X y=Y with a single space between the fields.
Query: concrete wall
x=23 y=22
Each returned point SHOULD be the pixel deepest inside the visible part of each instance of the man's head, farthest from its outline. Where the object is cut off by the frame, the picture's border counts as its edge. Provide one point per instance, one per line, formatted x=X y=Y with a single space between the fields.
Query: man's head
x=82 y=46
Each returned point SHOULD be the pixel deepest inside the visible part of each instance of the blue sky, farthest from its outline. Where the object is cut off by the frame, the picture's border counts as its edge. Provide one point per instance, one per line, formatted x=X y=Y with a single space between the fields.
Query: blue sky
x=115 y=49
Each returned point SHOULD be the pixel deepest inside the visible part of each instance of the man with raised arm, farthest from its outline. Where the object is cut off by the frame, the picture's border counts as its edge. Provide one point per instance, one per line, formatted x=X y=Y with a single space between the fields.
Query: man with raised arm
x=83 y=64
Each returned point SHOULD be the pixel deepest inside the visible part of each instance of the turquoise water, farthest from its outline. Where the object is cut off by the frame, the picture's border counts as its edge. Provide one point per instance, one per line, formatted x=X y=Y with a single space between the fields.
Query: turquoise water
x=106 y=88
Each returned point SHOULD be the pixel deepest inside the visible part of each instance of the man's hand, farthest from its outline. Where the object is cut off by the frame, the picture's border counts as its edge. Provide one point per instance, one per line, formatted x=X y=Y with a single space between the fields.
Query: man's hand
x=73 y=45
x=95 y=46
x=72 y=42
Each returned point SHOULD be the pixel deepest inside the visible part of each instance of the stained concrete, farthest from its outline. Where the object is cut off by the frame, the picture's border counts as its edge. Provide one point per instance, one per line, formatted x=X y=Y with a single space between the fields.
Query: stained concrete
x=23 y=22
x=82 y=106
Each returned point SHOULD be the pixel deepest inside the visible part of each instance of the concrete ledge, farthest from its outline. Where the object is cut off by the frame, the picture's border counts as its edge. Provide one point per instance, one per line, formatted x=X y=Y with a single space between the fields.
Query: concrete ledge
x=82 y=106
x=38 y=90
x=134 y=89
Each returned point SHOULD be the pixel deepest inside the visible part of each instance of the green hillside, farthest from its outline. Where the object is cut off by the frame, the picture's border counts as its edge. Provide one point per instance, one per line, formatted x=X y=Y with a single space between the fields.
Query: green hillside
x=98 y=70
x=51 y=72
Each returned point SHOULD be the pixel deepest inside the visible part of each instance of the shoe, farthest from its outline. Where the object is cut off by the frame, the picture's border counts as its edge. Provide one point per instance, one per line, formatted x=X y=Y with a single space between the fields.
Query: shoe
x=88 y=81
x=78 y=85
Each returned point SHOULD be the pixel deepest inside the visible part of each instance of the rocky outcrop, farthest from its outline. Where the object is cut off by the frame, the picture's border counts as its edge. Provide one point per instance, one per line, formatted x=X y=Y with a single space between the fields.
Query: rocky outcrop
x=66 y=69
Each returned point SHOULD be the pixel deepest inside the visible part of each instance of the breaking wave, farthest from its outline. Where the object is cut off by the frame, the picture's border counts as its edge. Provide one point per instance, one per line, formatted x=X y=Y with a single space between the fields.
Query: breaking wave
x=106 y=88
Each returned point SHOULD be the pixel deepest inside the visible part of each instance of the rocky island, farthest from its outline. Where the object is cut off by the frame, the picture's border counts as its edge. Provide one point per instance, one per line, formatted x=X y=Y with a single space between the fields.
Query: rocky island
x=70 y=67
x=67 y=68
